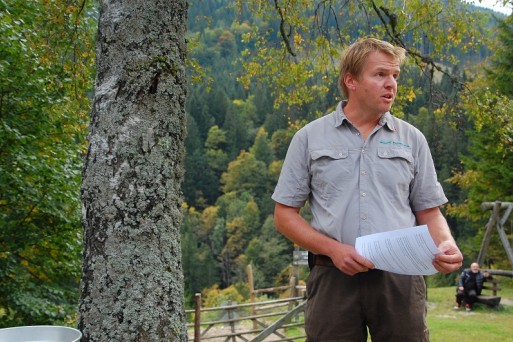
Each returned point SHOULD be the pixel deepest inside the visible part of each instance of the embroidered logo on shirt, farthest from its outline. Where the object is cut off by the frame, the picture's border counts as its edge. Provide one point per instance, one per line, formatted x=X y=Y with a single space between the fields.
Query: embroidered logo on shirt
x=396 y=143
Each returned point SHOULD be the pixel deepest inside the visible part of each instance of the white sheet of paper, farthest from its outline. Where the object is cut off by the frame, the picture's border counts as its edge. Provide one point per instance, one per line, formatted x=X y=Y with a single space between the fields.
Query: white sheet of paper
x=405 y=251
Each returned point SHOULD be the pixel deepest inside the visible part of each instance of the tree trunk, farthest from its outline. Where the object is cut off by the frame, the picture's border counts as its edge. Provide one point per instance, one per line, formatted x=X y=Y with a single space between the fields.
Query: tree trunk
x=132 y=282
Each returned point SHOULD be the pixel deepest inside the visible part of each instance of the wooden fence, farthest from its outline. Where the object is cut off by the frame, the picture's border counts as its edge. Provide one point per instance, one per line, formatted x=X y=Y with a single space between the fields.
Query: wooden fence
x=254 y=321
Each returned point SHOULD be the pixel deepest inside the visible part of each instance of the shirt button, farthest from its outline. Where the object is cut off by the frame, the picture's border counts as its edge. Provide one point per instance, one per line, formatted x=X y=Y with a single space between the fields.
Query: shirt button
x=364 y=194
x=340 y=154
x=363 y=151
x=364 y=173
x=364 y=217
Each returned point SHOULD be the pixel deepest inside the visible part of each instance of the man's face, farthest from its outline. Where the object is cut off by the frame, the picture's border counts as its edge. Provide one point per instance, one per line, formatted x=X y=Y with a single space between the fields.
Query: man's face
x=474 y=268
x=376 y=87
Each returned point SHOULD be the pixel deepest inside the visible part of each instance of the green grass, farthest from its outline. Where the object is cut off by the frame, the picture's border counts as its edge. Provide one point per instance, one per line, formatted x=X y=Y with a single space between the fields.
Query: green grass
x=482 y=324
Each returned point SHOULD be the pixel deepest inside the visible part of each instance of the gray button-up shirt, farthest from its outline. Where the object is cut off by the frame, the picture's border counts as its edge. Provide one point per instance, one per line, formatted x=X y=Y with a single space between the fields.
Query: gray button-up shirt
x=358 y=187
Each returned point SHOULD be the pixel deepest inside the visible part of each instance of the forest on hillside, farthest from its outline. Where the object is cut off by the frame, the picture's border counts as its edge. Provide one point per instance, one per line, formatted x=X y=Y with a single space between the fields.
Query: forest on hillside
x=256 y=75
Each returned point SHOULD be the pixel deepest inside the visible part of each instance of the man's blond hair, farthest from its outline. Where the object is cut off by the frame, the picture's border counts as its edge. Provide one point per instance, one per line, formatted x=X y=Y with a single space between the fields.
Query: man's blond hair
x=356 y=54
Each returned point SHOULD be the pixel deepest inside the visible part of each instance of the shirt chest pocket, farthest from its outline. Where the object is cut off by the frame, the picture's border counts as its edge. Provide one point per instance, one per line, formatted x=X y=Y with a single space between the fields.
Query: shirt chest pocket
x=395 y=165
x=330 y=166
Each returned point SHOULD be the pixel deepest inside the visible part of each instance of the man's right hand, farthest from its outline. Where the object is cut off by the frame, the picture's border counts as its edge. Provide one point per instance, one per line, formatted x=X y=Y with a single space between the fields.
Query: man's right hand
x=347 y=260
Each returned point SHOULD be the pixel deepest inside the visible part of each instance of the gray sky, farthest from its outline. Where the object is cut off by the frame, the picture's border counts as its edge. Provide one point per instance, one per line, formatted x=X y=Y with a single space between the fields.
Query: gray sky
x=493 y=5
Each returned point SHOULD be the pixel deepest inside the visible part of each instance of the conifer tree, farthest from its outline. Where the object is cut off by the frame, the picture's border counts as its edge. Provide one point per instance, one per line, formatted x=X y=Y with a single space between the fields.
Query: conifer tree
x=501 y=72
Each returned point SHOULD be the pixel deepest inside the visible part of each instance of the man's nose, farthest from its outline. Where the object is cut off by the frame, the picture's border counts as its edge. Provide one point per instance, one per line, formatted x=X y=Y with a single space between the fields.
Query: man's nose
x=390 y=82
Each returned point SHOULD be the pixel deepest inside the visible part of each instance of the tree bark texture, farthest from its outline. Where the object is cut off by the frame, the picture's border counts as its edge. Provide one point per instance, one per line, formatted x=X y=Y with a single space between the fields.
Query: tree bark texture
x=132 y=281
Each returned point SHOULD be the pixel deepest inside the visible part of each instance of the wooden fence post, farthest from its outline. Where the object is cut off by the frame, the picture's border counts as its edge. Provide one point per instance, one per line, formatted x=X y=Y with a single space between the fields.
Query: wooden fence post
x=292 y=283
x=197 y=317
x=251 y=285
x=293 y=291
x=230 y=308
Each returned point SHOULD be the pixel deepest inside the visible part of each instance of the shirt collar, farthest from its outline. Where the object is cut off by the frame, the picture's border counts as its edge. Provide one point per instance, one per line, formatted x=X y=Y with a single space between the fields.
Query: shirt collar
x=385 y=120
x=340 y=116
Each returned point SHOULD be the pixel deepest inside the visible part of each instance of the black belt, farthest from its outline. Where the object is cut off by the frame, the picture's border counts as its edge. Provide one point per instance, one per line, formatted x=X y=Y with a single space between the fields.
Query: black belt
x=320 y=260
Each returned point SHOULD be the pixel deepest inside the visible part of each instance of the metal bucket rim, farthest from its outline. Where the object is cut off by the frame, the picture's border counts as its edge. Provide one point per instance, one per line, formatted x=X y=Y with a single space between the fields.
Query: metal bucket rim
x=72 y=333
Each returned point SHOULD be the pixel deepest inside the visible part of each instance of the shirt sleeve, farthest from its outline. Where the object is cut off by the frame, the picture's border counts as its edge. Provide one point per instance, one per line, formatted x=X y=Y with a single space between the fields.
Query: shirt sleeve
x=426 y=192
x=293 y=187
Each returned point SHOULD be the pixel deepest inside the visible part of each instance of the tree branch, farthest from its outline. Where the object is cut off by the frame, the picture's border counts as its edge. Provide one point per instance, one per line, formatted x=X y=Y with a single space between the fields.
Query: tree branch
x=284 y=35
x=391 y=30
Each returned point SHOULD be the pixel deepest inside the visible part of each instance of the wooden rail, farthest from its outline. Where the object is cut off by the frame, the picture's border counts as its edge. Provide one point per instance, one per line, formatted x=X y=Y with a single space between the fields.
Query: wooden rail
x=279 y=323
x=231 y=317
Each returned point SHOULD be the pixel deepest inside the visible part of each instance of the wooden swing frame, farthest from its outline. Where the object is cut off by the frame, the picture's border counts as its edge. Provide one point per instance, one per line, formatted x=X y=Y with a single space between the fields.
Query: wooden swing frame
x=498 y=222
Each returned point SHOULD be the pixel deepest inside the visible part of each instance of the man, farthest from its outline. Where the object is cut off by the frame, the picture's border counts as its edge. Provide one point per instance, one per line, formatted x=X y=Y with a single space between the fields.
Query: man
x=363 y=171
x=470 y=285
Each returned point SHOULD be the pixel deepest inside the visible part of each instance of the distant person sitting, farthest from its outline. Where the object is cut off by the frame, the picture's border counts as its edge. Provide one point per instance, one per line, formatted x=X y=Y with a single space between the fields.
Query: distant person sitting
x=470 y=285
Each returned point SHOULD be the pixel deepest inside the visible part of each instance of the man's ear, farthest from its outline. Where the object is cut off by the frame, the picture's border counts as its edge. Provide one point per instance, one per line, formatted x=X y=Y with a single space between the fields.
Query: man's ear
x=350 y=81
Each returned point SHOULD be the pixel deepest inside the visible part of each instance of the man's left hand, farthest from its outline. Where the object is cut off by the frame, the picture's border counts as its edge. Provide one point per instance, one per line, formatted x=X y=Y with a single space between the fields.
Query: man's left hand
x=450 y=259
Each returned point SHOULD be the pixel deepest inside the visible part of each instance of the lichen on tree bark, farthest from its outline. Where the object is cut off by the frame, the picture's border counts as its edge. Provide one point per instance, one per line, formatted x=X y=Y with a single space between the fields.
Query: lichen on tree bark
x=132 y=282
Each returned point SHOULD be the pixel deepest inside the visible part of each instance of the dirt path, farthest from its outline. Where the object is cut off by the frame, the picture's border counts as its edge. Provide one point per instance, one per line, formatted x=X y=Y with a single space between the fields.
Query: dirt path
x=506 y=301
